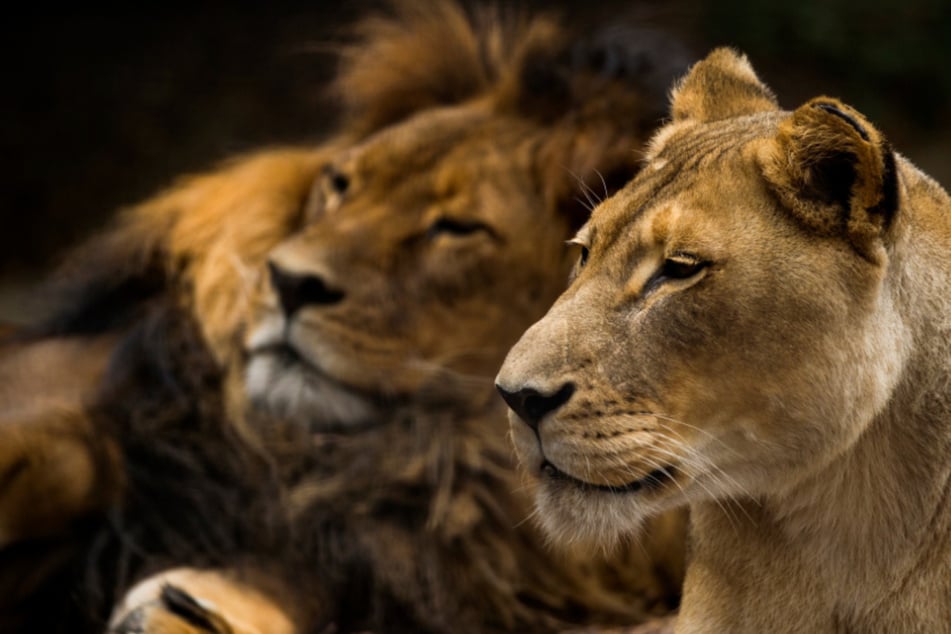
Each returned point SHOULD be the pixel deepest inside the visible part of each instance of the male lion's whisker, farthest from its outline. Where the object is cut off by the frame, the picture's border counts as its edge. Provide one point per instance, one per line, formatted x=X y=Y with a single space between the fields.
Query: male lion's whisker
x=532 y=515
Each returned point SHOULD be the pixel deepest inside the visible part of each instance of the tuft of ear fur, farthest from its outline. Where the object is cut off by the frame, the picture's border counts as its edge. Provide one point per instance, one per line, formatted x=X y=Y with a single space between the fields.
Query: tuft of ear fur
x=835 y=173
x=721 y=86
x=424 y=54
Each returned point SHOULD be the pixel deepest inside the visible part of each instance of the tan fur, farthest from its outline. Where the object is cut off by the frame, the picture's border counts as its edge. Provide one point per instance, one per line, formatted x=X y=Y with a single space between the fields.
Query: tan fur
x=761 y=330
x=463 y=143
x=49 y=454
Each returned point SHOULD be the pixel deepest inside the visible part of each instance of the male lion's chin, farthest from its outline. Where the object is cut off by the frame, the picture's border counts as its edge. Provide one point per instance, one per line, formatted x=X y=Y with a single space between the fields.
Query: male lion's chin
x=290 y=391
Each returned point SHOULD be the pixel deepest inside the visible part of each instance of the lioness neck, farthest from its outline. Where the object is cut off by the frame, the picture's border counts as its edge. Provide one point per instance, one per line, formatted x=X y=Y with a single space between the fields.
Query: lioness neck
x=863 y=545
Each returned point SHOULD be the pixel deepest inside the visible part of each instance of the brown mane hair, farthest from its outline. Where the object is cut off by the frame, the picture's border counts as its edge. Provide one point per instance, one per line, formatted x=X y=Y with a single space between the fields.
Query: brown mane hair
x=380 y=530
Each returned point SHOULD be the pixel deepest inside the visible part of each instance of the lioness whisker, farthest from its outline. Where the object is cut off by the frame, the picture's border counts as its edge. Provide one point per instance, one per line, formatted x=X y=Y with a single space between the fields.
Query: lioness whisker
x=693 y=427
x=531 y=516
x=710 y=465
x=585 y=203
x=607 y=194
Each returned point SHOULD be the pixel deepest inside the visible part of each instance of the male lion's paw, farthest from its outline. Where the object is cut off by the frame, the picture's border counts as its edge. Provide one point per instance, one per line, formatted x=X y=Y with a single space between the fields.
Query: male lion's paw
x=189 y=601
x=174 y=612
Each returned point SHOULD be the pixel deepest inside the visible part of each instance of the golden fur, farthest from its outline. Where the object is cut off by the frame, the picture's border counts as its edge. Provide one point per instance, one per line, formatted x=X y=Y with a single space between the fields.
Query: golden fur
x=759 y=327
x=338 y=443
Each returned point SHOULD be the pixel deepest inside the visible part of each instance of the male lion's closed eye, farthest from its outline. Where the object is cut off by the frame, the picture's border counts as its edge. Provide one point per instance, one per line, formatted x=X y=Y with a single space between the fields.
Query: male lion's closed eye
x=338 y=182
x=457 y=227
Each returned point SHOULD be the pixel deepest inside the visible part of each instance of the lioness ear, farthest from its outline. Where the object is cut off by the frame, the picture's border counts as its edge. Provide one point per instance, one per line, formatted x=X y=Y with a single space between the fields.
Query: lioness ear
x=834 y=172
x=721 y=86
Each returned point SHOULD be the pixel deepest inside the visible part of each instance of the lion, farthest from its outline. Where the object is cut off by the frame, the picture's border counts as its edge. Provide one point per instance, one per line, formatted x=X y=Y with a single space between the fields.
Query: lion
x=284 y=419
x=759 y=328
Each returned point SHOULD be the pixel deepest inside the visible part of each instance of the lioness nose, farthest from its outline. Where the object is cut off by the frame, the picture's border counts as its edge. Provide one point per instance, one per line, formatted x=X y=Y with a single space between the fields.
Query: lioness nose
x=295 y=290
x=532 y=406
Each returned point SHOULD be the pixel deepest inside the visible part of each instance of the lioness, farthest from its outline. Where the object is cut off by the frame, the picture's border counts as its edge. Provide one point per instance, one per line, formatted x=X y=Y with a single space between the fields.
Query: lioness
x=759 y=327
x=287 y=362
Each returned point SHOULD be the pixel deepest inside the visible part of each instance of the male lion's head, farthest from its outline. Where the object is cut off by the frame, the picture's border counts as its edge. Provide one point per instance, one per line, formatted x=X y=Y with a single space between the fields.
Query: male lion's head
x=403 y=257
x=725 y=333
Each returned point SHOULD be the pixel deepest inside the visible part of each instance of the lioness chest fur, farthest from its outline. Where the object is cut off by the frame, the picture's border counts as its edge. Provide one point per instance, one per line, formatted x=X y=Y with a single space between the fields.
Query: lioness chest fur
x=759 y=327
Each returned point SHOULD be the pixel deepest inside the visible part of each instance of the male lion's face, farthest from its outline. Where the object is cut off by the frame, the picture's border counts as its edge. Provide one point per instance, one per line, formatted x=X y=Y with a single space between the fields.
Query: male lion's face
x=709 y=347
x=425 y=251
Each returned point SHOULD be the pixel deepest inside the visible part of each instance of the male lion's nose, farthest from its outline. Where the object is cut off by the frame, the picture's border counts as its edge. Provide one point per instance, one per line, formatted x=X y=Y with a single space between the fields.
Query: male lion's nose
x=532 y=406
x=295 y=290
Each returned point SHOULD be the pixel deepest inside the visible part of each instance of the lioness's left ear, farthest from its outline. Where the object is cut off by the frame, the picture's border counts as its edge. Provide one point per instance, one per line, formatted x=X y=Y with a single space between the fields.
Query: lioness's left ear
x=835 y=172
x=720 y=86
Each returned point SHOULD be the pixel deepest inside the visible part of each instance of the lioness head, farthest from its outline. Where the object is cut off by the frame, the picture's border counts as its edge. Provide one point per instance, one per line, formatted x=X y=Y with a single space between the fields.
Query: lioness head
x=725 y=333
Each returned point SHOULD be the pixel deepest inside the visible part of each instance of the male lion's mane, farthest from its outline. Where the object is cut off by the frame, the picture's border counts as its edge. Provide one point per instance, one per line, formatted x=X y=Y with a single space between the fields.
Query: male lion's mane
x=408 y=526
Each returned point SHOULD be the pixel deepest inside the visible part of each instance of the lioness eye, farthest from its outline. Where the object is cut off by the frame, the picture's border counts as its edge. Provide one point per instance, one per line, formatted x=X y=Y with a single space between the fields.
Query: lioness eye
x=453 y=227
x=583 y=258
x=681 y=267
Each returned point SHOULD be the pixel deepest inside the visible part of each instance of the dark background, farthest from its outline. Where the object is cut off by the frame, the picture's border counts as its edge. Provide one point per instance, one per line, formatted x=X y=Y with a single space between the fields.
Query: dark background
x=102 y=108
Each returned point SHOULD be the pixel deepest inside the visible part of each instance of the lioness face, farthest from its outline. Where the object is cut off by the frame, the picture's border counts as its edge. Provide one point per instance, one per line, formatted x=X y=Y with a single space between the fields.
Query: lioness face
x=710 y=346
x=424 y=252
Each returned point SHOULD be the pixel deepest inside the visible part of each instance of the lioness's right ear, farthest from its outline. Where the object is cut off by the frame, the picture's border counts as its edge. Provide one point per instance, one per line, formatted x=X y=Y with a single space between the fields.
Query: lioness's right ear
x=834 y=172
x=721 y=86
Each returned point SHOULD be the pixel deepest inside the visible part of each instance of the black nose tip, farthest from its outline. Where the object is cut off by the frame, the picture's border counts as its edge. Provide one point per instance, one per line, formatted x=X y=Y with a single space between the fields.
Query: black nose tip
x=532 y=406
x=295 y=290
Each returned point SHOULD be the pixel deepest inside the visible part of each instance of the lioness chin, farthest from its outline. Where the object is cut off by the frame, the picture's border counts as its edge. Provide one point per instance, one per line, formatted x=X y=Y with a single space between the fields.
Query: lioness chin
x=759 y=327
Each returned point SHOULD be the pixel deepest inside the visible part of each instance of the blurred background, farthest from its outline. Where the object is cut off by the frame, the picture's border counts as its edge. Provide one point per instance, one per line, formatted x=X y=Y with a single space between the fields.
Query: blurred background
x=102 y=108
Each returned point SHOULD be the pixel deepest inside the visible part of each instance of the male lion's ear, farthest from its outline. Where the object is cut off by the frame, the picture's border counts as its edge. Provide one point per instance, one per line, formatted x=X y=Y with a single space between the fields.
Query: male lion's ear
x=721 y=86
x=597 y=99
x=834 y=172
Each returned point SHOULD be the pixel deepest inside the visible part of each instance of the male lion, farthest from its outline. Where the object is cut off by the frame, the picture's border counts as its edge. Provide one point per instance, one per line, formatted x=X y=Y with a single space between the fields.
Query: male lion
x=759 y=326
x=286 y=380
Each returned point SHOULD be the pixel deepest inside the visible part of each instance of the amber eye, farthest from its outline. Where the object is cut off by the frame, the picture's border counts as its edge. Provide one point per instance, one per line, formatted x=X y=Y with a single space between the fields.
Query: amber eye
x=454 y=227
x=680 y=267
x=583 y=258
